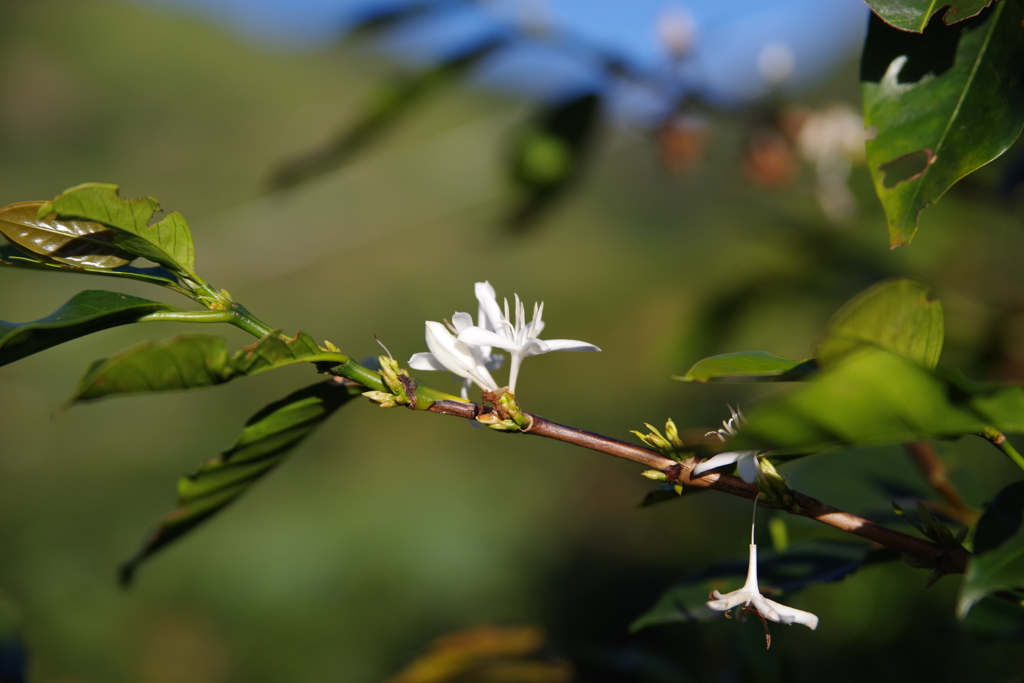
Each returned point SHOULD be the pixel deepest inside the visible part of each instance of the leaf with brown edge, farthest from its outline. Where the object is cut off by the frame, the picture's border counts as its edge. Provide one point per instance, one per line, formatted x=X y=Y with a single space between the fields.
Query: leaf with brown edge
x=193 y=361
x=269 y=436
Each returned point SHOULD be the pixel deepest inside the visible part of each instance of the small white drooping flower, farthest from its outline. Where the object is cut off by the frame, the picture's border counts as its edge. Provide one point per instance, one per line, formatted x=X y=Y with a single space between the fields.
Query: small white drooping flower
x=749 y=598
x=519 y=338
x=745 y=461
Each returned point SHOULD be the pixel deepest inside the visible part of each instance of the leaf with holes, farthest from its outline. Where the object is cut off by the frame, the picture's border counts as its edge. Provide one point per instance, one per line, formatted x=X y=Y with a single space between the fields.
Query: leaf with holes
x=748 y=366
x=193 y=361
x=943 y=103
x=86 y=312
x=167 y=242
x=873 y=397
x=898 y=315
x=914 y=15
x=269 y=436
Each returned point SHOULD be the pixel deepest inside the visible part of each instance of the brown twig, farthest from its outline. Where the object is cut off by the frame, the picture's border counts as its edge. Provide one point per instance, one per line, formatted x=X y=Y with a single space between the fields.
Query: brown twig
x=945 y=560
x=934 y=470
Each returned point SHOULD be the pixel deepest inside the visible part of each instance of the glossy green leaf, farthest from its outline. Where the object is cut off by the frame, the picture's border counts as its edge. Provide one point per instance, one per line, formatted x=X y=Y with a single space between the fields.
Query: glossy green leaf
x=1002 y=519
x=898 y=315
x=943 y=103
x=778 y=573
x=874 y=397
x=549 y=152
x=1001 y=569
x=86 y=312
x=390 y=105
x=269 y=436
x=193 y=361
x=914 y=15
x=14 y=258
x=748 y=366
x=72 y=242
x=167 y=242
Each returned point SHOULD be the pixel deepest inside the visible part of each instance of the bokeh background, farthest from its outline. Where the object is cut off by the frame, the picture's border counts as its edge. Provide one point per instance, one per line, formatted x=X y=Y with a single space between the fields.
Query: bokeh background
x=387 y=529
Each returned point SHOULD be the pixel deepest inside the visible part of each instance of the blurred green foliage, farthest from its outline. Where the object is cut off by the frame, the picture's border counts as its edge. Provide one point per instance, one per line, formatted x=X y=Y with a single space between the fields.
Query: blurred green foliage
x=387 y=529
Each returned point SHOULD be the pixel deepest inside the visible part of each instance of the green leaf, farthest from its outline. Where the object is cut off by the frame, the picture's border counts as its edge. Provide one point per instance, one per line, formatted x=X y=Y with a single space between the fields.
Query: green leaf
x=86 y=312
x=943 y=103
x=391 y=104
x=269 y=436
x=914 y=15
x=548 y=154
x=1002 y=519
x=779 y=574
x=898 y=315
x=14 y=258
x=874 y=397
x=192 y=361
x=72 y=242
x=1001 y=569
x=748 y=366
x=167 y=242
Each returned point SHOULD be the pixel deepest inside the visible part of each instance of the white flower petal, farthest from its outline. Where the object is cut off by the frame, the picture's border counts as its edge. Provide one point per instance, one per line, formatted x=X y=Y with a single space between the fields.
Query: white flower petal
x=425 y=361
x=784 y=614
x=489 y=308
x=569 y=345
x=748 y=466
x=714 y=462
x=461 y=321
x=477 y=336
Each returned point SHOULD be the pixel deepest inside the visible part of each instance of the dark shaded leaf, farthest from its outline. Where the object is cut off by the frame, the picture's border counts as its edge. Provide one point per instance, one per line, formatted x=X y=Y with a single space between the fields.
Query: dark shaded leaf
x=73 y=242
x=748 y=366
x=995 y=571
x=167 y=242
x=14 y=258
x=549 y=152
x=1002 y=519
x=268 y=437
x=388 y=106
x=939 y=119
x=996 y=618
x=897 y=315
x=86 y=312
x=779 y=574
x=192 y=361
x=667 y=492
x=914 y=15
x=874 y=397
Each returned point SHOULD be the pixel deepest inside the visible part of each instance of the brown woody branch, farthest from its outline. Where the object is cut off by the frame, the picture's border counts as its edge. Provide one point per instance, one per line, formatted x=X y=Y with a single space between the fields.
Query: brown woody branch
x=945 y=560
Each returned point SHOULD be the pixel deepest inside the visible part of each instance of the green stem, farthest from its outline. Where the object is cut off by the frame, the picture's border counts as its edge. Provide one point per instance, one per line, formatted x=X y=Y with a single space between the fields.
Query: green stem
x=189 y=316
x=244 y=320
x=999 y=440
